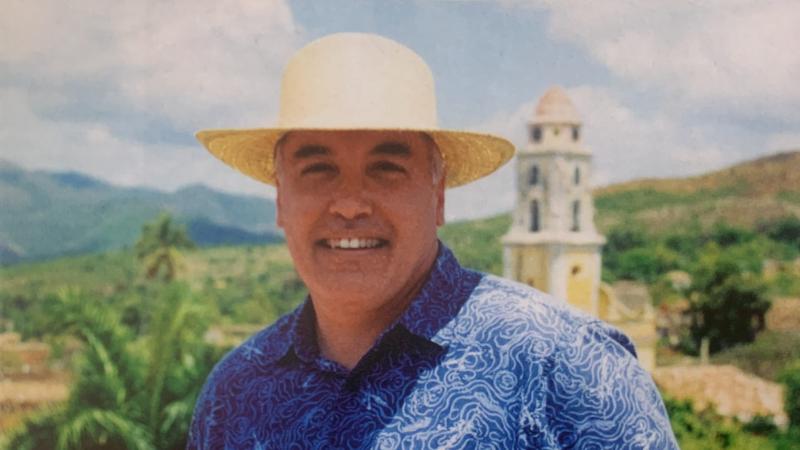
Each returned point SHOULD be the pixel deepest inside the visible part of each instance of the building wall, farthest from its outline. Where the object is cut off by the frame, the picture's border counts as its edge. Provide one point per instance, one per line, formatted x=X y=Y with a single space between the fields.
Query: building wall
x=642 y=333
x=583 y=276
x=530 y=266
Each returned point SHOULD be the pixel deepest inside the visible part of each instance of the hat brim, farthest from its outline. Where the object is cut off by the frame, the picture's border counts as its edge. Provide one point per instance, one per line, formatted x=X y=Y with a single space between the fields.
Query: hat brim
x=467 y=156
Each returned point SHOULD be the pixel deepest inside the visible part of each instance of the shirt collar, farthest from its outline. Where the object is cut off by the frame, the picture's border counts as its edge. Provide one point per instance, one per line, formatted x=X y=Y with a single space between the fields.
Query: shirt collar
x=444 y=293
x=447 y=288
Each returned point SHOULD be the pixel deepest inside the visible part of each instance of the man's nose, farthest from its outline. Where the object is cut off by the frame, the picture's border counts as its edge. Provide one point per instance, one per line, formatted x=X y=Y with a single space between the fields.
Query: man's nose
x=349 y=200
x=351 y=207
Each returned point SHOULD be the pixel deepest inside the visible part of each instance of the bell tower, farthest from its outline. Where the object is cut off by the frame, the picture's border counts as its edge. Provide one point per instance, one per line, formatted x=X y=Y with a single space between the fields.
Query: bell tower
x=553 y=244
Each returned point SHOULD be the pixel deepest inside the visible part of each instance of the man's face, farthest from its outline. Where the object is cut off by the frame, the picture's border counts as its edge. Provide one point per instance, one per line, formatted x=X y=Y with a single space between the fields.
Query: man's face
x=360 y=211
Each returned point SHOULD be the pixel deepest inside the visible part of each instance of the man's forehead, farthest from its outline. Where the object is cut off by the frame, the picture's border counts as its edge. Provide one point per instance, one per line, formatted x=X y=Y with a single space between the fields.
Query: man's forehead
x=307 y=143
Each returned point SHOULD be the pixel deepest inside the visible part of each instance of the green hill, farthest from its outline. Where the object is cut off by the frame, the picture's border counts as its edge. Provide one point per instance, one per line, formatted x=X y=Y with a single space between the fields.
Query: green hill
x=745 y=194
x=52 y=214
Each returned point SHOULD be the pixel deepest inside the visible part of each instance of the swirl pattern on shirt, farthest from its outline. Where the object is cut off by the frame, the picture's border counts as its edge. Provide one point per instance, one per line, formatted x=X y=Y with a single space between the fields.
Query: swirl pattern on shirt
x=475 y=362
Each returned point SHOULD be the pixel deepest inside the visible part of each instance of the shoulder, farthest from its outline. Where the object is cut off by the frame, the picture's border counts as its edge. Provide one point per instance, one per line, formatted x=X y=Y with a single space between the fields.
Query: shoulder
x=584 y=387
x=256 y=354
x=498 y=305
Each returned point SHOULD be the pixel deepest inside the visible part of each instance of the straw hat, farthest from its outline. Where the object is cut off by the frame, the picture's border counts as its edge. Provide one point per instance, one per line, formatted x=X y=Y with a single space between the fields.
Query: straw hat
x=355 y=81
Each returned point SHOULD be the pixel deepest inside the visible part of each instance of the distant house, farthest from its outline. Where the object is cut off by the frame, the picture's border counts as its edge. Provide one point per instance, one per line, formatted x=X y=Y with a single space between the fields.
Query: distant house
x=17 y=357
x=553 y=244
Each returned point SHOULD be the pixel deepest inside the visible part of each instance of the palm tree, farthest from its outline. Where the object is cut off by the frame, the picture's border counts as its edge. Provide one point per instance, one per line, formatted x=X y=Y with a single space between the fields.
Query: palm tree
x=100 y=412
x=179 y=361
x=128 y=393
x=159 y=247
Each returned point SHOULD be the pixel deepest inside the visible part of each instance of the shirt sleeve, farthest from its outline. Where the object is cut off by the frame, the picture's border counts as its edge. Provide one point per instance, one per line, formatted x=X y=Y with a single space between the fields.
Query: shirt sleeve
x=201 y=431
x=596 y=396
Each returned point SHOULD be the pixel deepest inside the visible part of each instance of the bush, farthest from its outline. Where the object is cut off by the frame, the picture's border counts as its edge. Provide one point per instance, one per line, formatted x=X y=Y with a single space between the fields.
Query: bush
x=786 y=230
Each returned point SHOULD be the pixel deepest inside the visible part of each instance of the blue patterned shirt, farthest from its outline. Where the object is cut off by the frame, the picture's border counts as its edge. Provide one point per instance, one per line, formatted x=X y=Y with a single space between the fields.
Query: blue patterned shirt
x=475 y=361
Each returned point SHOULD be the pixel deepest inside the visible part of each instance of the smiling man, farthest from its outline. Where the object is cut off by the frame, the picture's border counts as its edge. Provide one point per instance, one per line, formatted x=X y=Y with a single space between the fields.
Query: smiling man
x=397 y=345
x=360 y=211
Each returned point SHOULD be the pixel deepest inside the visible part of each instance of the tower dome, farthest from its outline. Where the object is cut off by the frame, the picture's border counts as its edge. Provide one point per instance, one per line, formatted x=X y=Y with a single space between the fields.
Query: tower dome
x=555 y=107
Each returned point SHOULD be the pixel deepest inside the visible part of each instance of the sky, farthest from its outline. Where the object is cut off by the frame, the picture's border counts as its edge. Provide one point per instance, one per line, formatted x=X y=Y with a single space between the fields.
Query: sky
x=665 y=88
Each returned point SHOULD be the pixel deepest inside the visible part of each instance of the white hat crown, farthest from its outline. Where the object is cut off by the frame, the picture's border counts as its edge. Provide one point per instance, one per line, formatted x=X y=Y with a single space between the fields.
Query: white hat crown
x=357 y=81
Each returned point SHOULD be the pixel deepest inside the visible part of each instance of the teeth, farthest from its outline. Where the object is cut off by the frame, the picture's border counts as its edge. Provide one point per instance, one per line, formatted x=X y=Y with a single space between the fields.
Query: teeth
x=355 y=243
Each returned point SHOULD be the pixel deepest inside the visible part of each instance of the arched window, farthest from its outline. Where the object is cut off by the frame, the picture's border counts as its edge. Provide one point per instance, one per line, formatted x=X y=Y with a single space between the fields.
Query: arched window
x=535 y=215
x=577 y=176
x=576 y=215
x=533 y=175
x=536 y=134
x=576 y=133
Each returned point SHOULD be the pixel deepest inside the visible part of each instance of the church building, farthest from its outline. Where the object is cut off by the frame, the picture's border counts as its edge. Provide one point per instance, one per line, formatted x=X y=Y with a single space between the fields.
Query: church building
x=553 y=244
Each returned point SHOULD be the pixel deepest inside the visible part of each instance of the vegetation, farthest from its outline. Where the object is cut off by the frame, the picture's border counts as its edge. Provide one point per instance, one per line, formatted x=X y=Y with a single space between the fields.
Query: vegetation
x=477 y=244
x=707 y=429
x=144 y=354
x=767 y=356
x=142 y=363
x=159 y=248
x=130 y=391
x=791 y=379
x=728 y=301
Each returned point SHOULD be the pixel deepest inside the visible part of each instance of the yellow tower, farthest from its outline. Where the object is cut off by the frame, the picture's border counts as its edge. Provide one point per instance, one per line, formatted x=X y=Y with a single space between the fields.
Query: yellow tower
x=553 y=244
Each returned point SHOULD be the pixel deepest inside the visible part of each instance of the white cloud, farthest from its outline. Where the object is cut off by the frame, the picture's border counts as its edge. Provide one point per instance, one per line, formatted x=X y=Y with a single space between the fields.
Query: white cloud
x=196 y=63
x=40 y=143
x=186 y=64
x=625 y=144
x=629 y=144
x=495 y=193
x=738 y=54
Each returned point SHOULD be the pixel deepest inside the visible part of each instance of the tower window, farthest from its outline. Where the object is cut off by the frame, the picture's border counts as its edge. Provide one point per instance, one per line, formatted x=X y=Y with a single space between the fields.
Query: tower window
x=535 y=215
x=536 y=134
x=576 y=133
x=576 y=215
x=533 y=176
x=577 y=176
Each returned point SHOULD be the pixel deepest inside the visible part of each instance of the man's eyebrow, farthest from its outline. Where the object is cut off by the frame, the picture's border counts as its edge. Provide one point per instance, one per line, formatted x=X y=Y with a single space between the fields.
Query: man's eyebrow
x=392 y=149
x=308 y=151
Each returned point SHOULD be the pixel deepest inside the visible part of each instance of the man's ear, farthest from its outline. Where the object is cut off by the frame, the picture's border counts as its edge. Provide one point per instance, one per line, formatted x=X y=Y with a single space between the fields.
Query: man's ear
x=278 y=203
x=440 y=198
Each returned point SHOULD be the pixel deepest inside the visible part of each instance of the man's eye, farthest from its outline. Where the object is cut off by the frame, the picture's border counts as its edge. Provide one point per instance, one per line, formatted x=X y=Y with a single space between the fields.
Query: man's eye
x=386 y=166
x=317 y=168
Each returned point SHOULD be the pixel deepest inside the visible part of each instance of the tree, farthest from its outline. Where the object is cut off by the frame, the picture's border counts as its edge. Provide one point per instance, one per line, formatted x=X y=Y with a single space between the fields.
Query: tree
x=128 y=393
x=100 y=412
x=159 y=248
x=727 y=301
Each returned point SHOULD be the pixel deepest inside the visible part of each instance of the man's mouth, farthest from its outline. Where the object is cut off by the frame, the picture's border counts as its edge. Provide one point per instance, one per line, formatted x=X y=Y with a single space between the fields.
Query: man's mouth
x=353 y=243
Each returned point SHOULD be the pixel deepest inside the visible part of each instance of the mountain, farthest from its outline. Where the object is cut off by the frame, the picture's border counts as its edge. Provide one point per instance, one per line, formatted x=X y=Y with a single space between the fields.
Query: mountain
x=48 y=214
x=744 y=194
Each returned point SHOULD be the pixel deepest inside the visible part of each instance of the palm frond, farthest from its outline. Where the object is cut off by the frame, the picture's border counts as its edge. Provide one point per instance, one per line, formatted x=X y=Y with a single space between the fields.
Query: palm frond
x=99 y=427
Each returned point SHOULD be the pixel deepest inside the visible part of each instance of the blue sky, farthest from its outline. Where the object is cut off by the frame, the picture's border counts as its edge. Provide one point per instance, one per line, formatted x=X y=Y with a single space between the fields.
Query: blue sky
x=665 y=87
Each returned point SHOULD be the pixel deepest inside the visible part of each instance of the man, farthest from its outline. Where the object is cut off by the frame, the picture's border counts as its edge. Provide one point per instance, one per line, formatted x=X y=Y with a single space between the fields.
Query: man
x=397 y=346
